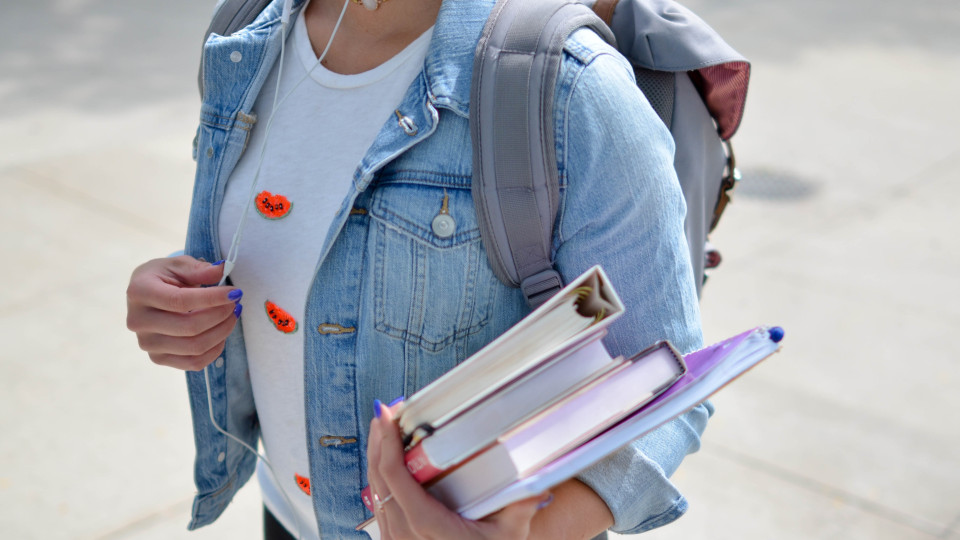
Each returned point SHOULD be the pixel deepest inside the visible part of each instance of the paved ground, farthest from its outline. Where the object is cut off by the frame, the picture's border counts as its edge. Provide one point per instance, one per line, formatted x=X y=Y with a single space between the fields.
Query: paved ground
x=843 y=232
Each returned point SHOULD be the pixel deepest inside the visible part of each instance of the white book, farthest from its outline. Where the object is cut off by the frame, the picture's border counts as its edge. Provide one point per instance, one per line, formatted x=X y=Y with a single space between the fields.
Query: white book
x=480 y=425
x=562 y=427
x=578 y=313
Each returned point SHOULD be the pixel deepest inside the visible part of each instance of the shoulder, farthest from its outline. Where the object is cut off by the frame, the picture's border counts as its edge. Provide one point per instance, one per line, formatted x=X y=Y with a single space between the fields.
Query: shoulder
x=598 y=81
x=586 y=54
x=583 y=46
x=598 y=107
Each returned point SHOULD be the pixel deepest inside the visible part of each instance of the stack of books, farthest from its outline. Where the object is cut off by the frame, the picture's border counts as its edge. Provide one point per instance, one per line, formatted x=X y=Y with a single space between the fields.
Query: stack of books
x=546 y=400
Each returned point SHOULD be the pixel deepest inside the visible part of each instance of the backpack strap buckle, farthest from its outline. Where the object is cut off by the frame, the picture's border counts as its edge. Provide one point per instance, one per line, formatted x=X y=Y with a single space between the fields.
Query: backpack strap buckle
x=539 y=287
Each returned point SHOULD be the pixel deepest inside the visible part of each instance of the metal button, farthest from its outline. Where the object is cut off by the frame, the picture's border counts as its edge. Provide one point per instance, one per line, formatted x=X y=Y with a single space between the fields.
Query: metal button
x=235 y=57
x=406 y=123
x=332 y=328
x=444 y=226
x=222 y=456
x=334 y=440
x=219 y=362
x=210 y=152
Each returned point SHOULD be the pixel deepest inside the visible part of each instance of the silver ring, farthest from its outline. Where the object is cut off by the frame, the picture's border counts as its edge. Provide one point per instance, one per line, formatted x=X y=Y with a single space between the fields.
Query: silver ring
x=378 y=502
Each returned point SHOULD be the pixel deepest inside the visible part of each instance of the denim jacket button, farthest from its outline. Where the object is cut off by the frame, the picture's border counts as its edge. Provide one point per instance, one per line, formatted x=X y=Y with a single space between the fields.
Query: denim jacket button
x=336 y=440
x=219 y=363
x=236 y=56
x=333 y=328
x=444 y=226
x=221 y=457
x=406 y=123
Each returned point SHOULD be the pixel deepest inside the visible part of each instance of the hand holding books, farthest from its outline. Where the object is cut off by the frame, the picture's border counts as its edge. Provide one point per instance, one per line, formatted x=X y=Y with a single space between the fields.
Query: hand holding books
x=402 y=507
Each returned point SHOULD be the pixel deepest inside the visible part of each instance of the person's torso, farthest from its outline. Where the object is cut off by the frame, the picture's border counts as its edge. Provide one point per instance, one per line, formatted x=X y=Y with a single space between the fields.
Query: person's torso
x=291 y=183
x=394 y=301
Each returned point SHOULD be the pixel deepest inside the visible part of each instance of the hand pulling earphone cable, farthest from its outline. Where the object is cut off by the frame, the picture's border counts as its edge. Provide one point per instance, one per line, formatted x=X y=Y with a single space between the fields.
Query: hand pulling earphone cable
x=231 y=258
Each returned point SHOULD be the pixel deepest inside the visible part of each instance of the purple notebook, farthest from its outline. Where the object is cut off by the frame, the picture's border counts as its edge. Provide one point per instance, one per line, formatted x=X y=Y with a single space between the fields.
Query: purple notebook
x=708 y=370
x=701 y=362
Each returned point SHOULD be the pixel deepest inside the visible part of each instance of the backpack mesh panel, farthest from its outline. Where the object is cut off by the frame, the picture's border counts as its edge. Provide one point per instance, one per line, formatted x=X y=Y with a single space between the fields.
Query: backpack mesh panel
x=659 y=88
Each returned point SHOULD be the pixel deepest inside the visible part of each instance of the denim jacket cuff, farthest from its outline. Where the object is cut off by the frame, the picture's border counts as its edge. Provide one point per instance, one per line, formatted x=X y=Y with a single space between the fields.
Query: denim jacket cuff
x=208 y=507
x=640 y=499
x=634 y=483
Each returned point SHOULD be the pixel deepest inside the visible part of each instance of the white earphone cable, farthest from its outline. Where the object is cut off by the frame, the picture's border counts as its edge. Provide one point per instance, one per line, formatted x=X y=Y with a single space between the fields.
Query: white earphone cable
x=234 y=250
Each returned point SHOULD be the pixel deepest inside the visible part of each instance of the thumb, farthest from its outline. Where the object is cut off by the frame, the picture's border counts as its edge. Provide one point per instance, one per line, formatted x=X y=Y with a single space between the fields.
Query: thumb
x=193 y=272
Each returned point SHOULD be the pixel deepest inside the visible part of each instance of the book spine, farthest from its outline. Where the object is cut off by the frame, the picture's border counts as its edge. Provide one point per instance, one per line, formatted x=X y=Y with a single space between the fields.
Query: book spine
x=419 y=464
x=367 y=495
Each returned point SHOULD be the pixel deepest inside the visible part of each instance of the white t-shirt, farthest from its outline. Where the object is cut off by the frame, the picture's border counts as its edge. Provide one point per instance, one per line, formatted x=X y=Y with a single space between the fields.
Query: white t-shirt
x=318 y=136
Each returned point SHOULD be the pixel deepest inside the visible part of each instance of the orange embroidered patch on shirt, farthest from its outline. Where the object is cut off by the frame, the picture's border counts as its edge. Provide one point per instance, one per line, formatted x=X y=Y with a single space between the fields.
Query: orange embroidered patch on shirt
x=282 y=320
x=303 y=482
x=273 y=206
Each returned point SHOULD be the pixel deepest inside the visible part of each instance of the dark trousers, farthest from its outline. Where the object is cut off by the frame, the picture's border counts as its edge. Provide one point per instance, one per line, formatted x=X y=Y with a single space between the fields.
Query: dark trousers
x=272 y=529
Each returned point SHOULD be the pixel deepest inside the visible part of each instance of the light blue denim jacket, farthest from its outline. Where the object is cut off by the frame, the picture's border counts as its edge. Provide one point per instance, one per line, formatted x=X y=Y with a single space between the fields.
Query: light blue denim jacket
x=393 y=306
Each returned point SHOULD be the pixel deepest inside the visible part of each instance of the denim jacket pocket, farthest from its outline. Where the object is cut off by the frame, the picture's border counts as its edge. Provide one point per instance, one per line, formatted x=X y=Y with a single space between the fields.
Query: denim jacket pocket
x=433 y=285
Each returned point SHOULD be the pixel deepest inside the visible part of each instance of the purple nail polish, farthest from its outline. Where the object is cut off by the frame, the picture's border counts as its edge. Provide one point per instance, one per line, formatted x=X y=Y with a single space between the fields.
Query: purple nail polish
x=238 y=310
x=218 y=263
x=235 y=295
x=545 y=503
x=377 y=405
x=394 y=402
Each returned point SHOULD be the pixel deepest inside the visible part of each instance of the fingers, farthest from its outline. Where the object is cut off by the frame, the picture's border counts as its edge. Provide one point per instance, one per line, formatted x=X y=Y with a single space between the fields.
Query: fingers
x=178 y=322
x=189 y=363
x=390 y=519
x=155 y=321
x=177 y=339
x=194 y=272
x=412 y=512
x=156 y=292
x=172 y=285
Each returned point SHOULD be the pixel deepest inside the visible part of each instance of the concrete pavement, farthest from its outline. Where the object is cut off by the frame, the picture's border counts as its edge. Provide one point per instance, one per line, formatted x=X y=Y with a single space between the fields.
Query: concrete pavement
x=843 y=231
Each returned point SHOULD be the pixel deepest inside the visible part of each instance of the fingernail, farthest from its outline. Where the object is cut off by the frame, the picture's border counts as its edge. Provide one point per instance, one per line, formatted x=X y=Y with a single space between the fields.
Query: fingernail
x=545 y=503
x=394 y=402
x=235 y=295
x=218 y=263
x=377 y=405
x=238 y=310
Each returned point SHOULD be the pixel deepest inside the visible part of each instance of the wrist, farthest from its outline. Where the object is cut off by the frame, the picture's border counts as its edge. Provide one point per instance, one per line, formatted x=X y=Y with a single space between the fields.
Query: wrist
x=576 y=513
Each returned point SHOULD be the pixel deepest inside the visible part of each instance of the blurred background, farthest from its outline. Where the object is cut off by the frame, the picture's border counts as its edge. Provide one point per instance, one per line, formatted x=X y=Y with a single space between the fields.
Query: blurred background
x=843 y=231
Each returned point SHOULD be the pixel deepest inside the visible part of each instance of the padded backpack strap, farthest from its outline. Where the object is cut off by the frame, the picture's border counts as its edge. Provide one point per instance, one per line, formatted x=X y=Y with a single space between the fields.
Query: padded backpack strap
x=230 y=16
x=515 y=184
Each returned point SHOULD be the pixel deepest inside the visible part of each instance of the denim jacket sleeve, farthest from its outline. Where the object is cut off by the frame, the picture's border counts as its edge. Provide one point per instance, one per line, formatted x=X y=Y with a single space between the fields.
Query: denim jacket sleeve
x=622 y=208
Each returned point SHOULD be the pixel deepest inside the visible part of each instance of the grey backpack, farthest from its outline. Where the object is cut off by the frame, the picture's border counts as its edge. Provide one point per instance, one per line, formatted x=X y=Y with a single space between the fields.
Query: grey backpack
x=695 y=82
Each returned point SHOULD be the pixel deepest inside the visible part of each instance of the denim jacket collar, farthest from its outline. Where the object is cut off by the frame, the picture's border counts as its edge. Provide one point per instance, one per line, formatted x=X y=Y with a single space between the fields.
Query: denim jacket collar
x=449 y=62
x=445 y=83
